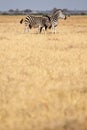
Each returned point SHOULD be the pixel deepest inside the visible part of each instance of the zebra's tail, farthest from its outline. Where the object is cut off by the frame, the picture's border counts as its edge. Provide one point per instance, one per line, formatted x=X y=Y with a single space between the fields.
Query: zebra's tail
x=21 y=21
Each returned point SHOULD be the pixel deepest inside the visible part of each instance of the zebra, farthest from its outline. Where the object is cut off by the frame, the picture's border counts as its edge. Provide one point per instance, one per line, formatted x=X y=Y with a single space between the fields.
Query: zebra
x=58 y=13
x=33 y=21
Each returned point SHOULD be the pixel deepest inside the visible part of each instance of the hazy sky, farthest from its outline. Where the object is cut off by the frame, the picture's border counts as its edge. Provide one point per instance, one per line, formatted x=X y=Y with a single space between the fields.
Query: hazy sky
x=42 y=4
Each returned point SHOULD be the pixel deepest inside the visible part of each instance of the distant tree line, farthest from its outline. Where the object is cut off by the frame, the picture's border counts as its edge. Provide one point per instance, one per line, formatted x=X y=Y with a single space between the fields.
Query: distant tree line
x=37 y=12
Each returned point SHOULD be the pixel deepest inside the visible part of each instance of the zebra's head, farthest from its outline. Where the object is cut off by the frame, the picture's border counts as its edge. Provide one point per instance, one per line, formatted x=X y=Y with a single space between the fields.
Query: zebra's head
x=61 y=14
x=58 y=13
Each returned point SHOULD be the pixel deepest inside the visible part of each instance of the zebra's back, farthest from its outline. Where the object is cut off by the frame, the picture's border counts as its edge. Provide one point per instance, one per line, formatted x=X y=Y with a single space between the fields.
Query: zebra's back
x=33 y=21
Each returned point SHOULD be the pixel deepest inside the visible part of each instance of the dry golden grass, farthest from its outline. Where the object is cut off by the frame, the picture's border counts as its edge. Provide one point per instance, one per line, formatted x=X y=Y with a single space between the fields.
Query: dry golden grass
x=43 y=77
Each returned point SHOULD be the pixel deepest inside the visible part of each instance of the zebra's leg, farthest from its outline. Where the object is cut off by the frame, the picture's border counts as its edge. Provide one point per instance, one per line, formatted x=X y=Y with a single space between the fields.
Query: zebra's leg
x=26 y=29
x=44 y=30
x=39 y=29
x=53 y=29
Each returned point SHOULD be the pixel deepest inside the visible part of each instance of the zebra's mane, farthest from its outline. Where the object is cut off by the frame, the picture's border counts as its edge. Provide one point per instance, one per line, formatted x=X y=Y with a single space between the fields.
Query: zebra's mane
x=56 y=10
x=49 y=18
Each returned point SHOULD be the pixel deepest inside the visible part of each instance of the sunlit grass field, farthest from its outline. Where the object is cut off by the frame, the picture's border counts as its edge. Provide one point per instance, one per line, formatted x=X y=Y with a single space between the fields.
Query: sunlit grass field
x=43 y=77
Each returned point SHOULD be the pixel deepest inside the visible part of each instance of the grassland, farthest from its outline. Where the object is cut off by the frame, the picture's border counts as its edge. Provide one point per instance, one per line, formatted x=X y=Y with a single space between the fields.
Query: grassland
x=43 y=77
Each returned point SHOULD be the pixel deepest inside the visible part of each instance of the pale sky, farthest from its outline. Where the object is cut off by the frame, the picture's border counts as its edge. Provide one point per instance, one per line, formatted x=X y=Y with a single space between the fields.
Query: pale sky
x=42 y=4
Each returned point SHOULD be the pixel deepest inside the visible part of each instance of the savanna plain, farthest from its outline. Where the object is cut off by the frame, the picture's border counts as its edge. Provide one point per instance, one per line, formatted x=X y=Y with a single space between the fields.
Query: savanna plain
x=43 y=77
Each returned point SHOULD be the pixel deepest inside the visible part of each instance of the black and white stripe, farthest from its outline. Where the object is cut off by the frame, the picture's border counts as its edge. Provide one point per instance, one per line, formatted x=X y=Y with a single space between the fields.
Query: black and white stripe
x=36 y=22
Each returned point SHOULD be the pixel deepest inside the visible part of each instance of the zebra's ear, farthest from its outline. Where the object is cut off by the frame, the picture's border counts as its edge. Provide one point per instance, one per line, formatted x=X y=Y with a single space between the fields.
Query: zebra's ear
x=60 y=10
x=54 y=10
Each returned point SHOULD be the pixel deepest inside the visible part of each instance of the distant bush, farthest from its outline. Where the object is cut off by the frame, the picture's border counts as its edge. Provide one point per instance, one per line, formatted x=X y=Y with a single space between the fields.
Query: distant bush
x=4 y=13
x=83 y=14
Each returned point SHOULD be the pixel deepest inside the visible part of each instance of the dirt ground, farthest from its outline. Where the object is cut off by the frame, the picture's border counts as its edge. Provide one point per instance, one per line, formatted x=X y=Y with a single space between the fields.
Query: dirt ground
x=43 y=77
